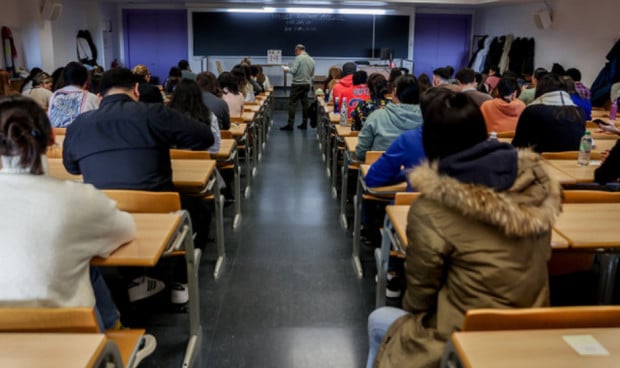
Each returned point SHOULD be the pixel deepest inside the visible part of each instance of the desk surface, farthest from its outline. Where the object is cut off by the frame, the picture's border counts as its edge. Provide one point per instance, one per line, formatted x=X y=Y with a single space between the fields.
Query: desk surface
x=238 y=130
x=57 y=350
x=398 y=218
x=534 y=348
x=153 y=233
x=350 y=143
x=344 y=131
x=226 y=149
x=581 y=174
x=590 y=225
x=252 y=108
x=248 y=116
x=558 y=174
x=388 y=189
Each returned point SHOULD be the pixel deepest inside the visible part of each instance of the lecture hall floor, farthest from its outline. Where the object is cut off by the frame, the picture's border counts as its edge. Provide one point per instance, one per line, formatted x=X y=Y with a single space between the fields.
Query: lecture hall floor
x=288 y=297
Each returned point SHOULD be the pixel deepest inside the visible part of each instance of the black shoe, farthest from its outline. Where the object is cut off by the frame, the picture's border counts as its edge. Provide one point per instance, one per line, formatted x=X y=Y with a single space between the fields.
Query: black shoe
x=287 y=127
x=302 y=126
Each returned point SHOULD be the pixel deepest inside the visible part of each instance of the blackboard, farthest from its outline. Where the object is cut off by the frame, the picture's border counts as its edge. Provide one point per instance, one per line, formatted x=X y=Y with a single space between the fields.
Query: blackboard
x=327 y=35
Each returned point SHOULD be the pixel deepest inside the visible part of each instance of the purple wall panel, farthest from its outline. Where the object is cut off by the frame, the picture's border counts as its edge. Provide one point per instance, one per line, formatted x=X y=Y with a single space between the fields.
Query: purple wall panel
x=155 y=38
x=440 y=40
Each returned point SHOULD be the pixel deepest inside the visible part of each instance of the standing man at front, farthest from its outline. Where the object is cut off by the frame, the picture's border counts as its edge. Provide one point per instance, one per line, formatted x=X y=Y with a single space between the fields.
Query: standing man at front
x=302 y=70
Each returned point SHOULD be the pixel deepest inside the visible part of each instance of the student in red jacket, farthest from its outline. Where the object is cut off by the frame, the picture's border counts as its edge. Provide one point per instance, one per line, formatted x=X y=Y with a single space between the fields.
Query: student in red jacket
x=345 y=88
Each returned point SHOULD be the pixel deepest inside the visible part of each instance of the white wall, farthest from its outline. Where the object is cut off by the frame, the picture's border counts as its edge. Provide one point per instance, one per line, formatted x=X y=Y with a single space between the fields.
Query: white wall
x=581 y=35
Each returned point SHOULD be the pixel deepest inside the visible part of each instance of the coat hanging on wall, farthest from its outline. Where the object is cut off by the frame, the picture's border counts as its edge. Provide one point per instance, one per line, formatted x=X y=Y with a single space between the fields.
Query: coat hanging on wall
x=609 y=75
x=9 y=50
x=86 y=49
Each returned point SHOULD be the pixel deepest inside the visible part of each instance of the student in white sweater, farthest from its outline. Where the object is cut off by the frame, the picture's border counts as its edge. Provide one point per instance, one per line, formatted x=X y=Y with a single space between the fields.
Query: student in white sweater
x=51 y=228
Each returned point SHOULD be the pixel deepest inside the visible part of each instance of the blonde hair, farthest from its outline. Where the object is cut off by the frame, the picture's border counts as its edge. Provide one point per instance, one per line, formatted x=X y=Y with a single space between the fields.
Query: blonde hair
x=140 y=70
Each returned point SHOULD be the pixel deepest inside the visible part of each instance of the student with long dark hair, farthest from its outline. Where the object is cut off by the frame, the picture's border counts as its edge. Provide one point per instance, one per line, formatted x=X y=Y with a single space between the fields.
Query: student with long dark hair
x=378 y=88
x=187 y=99
x=211 y=96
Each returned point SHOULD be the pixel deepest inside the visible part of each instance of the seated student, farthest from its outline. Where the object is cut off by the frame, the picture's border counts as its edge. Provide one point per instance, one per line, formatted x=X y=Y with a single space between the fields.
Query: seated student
x=501 y=114
x=187 y=99
x=478 y=235
x=211 y=96
x=403 y=154
x=46 y=259
x=41 y=90
x=174 y=76
x=333 y=76
x=584 y=103
x=383 y=126
x=27 y=84
x=424 y=83
x=466 y=80
x=258 y=79
x=528 y=94
x=493 y=78
x=377 y=86
x=186 y=71
x=231 y=93
x=609 y=171
x=441 y=77
x=149 y=93
x=346 y=88
x=246 y=86
x=582 y=90
x=552 y=122
x=70 y=101
x=394 y=74
x=126 y=145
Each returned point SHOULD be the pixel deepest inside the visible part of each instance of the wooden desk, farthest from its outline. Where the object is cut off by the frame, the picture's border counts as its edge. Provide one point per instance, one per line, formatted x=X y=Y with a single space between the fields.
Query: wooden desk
x=581 y=174
x=154 y=233
x=56 y=350
x=248 y=116
x=533 y=348
x=252 y=108
x=604 y=144
x=338 y=149
x=558 y=174
x=590 y=225
x=238 y=130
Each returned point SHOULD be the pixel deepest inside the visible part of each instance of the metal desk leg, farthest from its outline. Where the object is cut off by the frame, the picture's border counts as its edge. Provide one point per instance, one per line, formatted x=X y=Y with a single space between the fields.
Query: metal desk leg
x=255 y=149
x=343 y=190
x=192 y=259
x=335 y=155
x=219 y=231
x=382 y=256
x=248 y=169
x=328 y=153
x=237 y=191
x=357 y=264
x=607 y=278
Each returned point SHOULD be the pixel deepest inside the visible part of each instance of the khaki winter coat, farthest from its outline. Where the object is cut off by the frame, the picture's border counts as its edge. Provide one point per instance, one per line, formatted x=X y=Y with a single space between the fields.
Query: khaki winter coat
x=470 y=247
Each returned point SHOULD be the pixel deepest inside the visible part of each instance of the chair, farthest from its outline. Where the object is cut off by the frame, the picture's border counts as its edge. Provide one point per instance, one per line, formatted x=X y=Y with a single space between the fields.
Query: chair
x=60 y=131
x=542 y=318
x=125 y=343
x=226 y=134
x=138 y=201
x=405 y=198
x=181 y=154
x=507 y=134
x=372 y=156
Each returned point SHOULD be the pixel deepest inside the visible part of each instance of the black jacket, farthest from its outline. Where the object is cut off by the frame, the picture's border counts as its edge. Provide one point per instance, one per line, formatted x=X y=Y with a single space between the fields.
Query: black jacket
x=218 y=107
x=125 y=144
x=610 y=169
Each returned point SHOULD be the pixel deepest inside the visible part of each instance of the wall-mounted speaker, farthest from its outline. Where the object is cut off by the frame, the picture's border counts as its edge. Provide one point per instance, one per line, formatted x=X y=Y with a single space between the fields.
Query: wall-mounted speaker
x=543 y=19
x=51 y=9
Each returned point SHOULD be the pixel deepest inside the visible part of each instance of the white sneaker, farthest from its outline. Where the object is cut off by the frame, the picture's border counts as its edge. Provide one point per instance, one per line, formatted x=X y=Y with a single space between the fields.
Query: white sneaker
x=147 y=347
x=179 y=293
x=144 y=287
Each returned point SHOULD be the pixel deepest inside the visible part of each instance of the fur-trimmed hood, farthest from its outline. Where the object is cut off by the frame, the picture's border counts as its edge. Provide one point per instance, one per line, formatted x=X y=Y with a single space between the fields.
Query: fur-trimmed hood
x=529 y=206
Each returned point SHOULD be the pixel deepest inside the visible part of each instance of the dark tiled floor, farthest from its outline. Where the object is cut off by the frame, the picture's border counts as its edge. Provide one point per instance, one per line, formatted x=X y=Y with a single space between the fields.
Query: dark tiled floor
x=288 y=296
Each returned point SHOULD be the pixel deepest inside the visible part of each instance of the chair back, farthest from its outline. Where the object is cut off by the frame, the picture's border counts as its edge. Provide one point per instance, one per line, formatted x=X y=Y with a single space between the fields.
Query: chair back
x=139 y=201
x=226 y=134
x=180 y=154
x=405 y=198
x=507 y=134
x=590 y=196
x=236 y=119
x=79 y=320
x=542 y=318
x=60 y=131
x=372 y=156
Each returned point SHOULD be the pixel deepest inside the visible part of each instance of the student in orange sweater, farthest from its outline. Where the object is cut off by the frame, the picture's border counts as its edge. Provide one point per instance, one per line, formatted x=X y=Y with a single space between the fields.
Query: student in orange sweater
x=502 y=114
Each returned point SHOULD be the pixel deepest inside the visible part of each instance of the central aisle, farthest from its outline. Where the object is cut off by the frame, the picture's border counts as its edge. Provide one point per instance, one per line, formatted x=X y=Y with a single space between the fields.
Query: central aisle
x=289 y=296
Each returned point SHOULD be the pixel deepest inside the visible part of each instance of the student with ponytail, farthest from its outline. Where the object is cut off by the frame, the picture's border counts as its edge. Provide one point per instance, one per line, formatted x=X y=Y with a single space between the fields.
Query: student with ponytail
x=501 y=114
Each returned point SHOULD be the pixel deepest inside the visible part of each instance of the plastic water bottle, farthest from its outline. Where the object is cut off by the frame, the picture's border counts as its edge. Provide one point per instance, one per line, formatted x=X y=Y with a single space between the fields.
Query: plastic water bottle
x=613 y=110
x=493 y=136
x=336 y=105
x=584 y=149
x=326 y=95
x=344 y=112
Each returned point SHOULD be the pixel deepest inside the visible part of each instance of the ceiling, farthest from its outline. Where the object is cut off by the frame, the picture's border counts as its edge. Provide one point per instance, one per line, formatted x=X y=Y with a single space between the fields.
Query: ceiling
x=330 y=3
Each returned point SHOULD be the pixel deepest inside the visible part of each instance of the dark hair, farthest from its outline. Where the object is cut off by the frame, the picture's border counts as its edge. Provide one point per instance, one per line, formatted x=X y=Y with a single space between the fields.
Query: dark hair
x=208 y=82
x=466 y=76
x=117 y=78
x=539 y=73
x=506 y=86
x=569 y=84
x=254 y=70
x=452 y=123
x=187 y=99
x=558 y=69
x=25 y=131
x=449 y=70
x=183 y=64
x=377 y=85
x=175 y=72
x=59 y=80
x=75 y=74
x=360 y=77
x=229 y=81
x=242 y=76
x=33 y=73
x=407 y=89
x=424 y=83
x=442 y=73
x=574 y=73
x=548 y=83
x=495 y=69
x=394 y=74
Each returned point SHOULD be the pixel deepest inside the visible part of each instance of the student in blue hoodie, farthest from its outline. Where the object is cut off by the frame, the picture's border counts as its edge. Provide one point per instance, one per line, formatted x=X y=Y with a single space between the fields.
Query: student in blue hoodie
x=383 y=126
